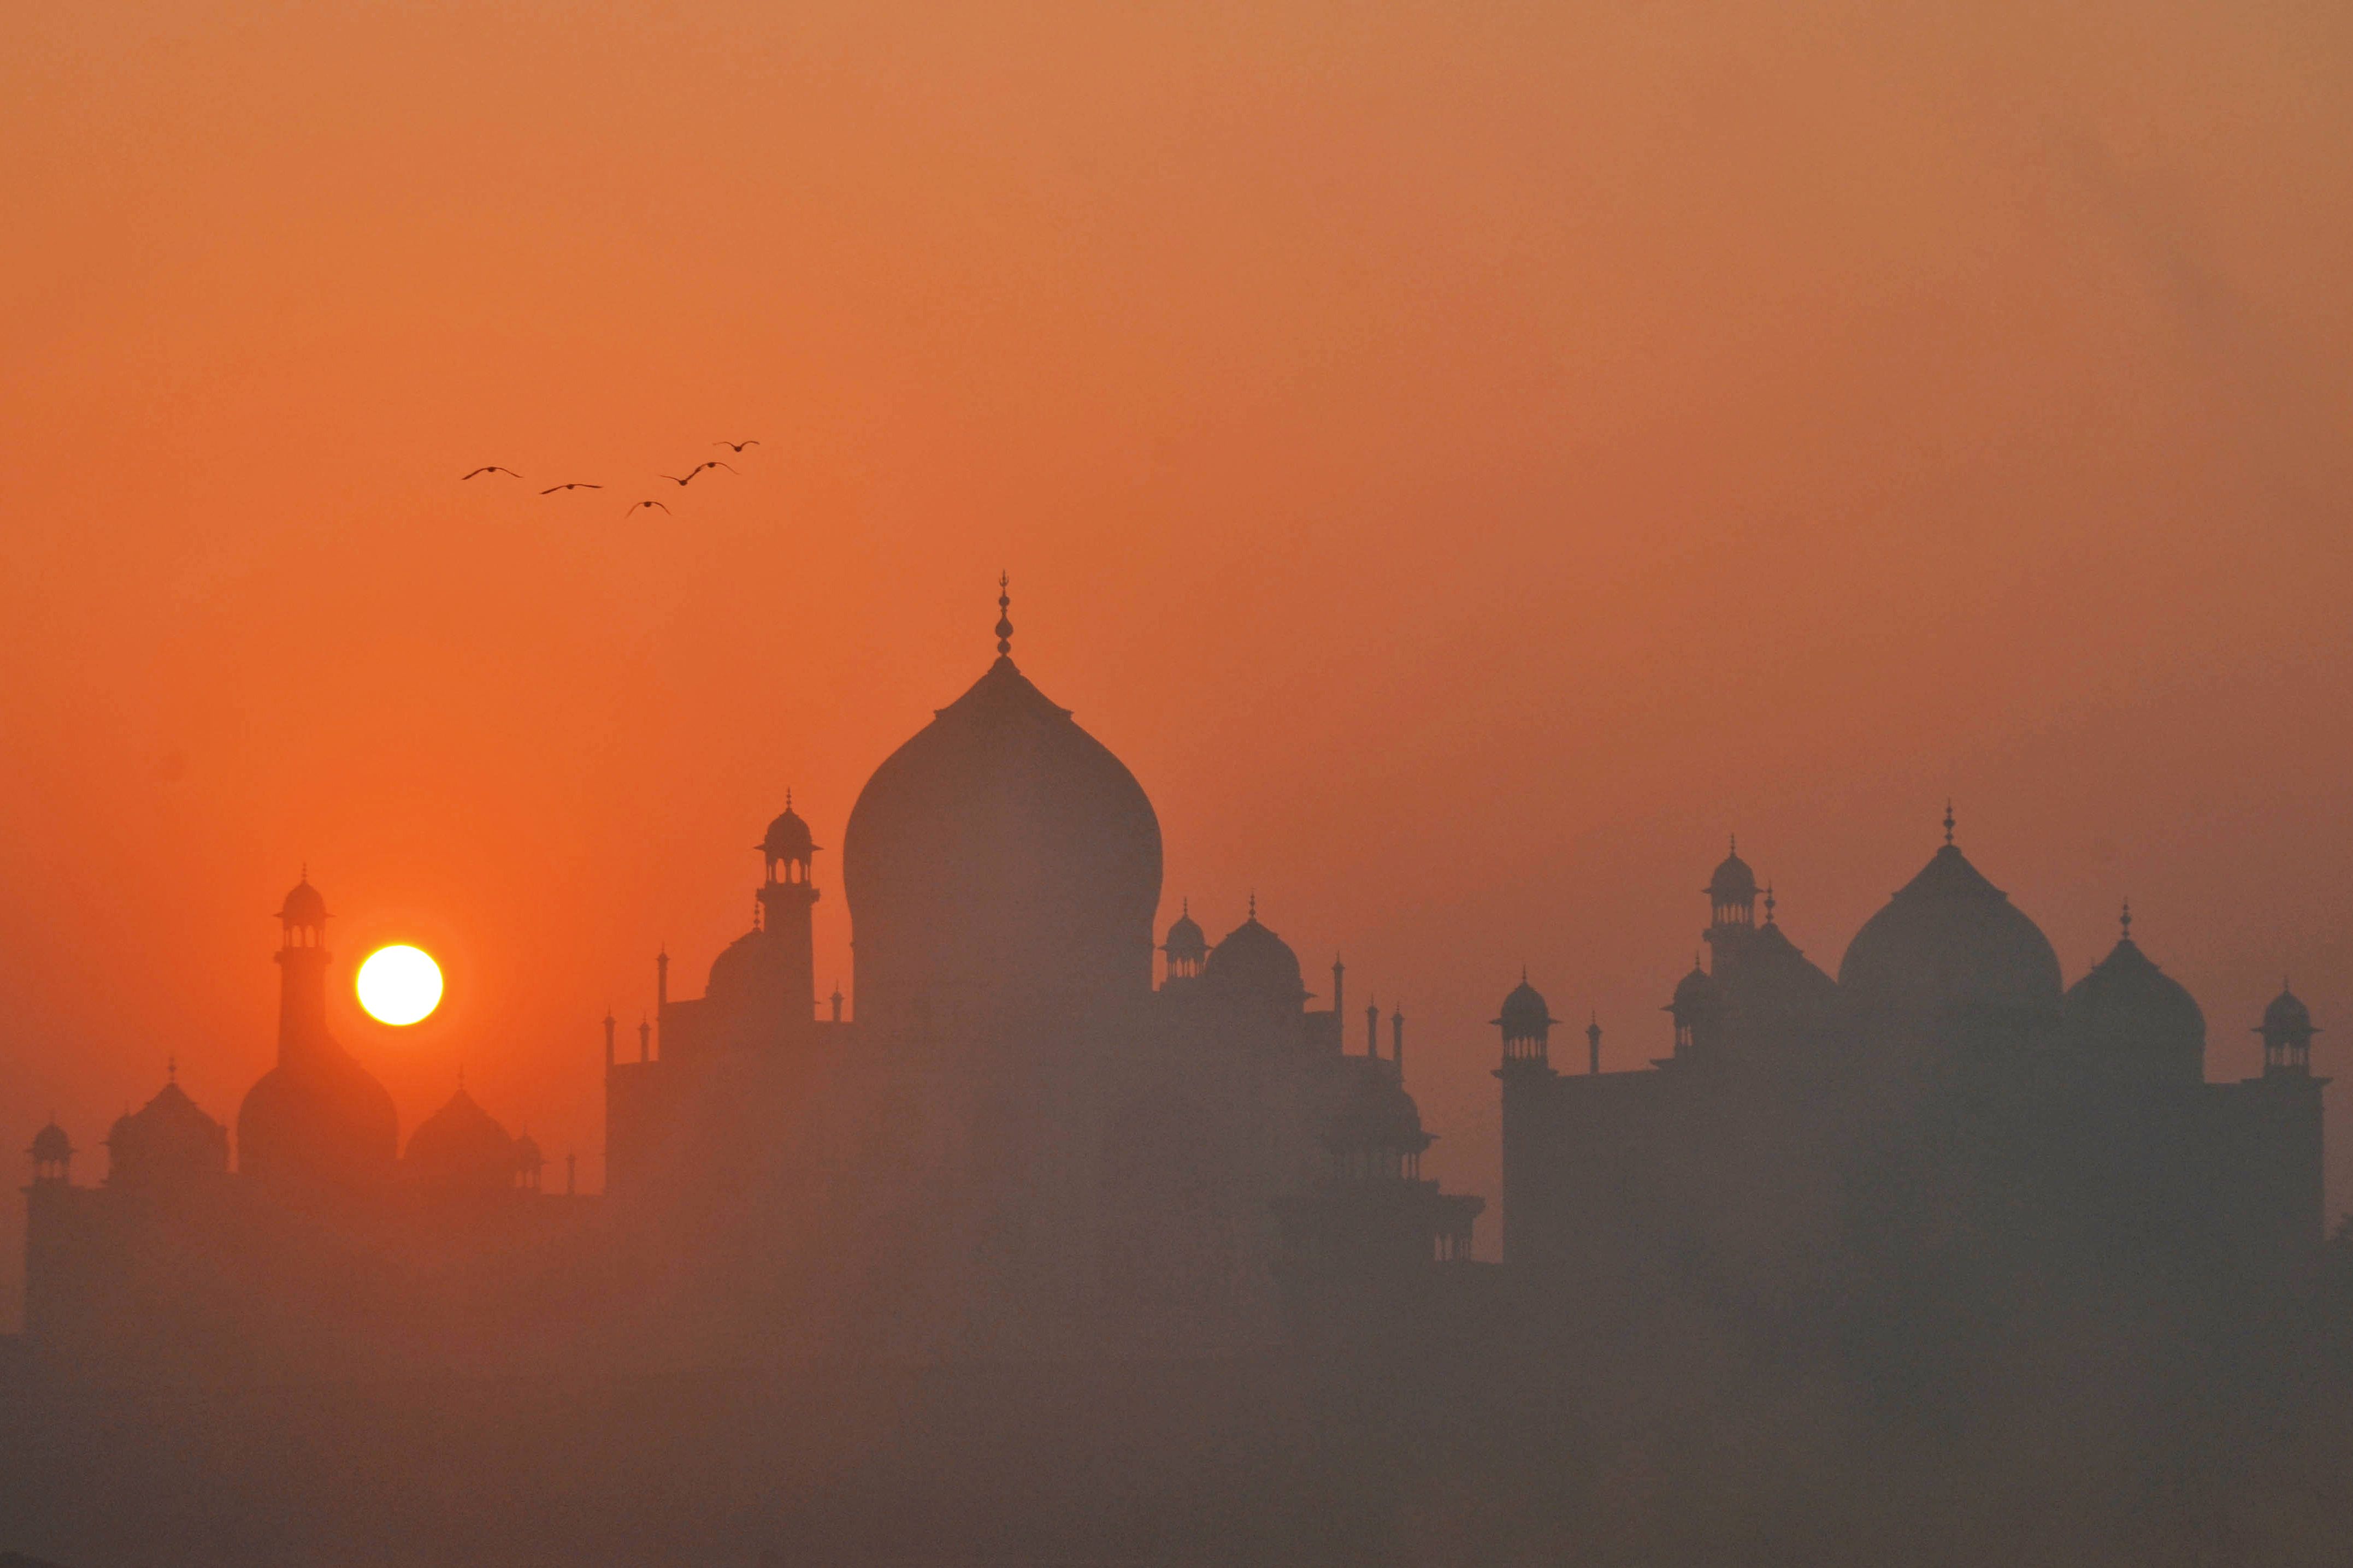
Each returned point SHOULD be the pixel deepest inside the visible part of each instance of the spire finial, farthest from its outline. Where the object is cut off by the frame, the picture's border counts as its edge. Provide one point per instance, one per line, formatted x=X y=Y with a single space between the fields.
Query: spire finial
x=1253 y=907
x=789 y=797
x=1949 y=819
x=171 y=1070
x=1523 y=974
x=2126 y=919
x=1768 y=903
x=1004 y=620
x=1734 y=846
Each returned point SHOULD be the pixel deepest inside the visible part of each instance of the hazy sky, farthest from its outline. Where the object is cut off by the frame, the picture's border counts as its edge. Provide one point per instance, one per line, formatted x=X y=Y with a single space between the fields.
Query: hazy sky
x=1466 y=458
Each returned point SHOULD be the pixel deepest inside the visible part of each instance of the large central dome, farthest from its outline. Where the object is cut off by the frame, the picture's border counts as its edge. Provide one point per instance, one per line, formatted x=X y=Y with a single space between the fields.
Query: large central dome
x=1951 y=949
x=1002 y=850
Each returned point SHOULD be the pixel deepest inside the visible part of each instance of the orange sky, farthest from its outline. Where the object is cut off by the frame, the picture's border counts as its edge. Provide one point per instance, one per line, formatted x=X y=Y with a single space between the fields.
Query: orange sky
x=1465 y=458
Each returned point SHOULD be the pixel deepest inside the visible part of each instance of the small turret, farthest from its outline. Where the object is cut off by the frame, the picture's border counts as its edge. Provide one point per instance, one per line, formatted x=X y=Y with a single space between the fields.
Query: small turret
x=1526 y=1023
x=2287 y=1031
x=1186 y=947
x=52 y=1154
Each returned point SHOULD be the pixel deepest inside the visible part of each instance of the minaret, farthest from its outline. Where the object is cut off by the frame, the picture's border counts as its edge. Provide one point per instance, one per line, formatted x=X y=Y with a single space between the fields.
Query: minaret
x=1396 y=1042
x=608 y=1039
x=1593 y=1046
x=1372 y=1027
x=1732 y=903
x=645 y=1040
x=788 y=897
x=302 y=960
x=2288 y=1034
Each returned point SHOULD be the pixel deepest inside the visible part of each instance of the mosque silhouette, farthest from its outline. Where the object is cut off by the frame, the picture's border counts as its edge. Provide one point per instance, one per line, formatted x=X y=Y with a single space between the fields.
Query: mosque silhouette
x=1021 y=1147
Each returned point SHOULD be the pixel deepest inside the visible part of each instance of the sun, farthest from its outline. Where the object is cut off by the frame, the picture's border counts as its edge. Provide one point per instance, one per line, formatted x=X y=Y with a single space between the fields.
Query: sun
x=399 y=985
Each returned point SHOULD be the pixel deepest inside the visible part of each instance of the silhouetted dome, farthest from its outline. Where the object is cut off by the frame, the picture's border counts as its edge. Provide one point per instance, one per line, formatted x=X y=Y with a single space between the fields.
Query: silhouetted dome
x=1733 y=882
x=789 y=838
x=2129 y=1013
x=302 y=905
x=527 y=1156
x=461 y=1145
x=1950 y=946
x=1377 y=1113
x=51 y=1146
x=318 y=1118
x=2287 y=1015
x=1254 y=965
x=1001 y=846
x=1524 y=1016
x=1185 y=938
x=1692 y=992
x=169 y=1139
x=745 y=968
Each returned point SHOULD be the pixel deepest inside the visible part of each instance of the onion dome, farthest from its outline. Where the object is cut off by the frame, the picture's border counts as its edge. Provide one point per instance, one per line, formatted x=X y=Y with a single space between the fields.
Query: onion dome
x=1376 y=1130
x=1524 y=1016
x=788 y=838
x=460 y=1146
x=1185 y=938
x=318 y=1119
x=1734 y=883
x=2287 y=1016
x=1256 y=968
x=1001 y=850
x=2129 y=1015
x=1695 y=992
x=1950 y=947
x=302 y=905
x=167 y=1141
x=51 y=1146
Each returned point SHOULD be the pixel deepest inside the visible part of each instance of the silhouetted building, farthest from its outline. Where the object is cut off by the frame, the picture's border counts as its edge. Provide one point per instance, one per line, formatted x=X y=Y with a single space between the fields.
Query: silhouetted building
x=1945 y=1117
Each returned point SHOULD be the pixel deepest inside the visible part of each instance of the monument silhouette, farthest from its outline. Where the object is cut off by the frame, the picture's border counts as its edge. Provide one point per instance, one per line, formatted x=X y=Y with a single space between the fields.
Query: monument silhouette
x=1054 y=1191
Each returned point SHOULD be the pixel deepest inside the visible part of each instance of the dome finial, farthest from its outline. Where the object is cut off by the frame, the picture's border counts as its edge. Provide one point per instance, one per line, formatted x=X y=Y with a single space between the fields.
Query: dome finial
x=2125 y=920
x=1253 y=904
x=1004 y=620
x=1949 y=819
x=171 y=1070
x=1768 y=903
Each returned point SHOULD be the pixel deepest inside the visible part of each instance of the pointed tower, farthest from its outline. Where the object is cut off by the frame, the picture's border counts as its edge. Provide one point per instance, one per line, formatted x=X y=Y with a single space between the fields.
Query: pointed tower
x=318 y=1123
x=787 y=898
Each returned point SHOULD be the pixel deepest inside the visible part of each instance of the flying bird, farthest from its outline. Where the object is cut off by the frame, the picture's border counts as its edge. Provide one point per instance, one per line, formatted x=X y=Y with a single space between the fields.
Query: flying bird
x=489 y=469
x=714 y=463
x=575 y=485
x=736 y=446
x=676 y=480
x=640 y=507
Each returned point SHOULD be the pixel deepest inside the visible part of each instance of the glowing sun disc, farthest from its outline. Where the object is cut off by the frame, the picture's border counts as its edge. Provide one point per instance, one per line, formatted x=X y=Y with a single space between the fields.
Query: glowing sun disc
x=399 y=985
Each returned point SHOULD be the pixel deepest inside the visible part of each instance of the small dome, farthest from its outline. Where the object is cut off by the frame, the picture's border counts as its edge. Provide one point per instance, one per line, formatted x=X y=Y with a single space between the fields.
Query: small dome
x=2287 y=1017
x=789 y=836
x=51 y=1146
x=1733 y=882
x=1693 y=992
x=2129 y=1013
x=302 y=905
x=1254 y=965
x=1524 y=1016
x=169 y=1138
x=1950 y=945
x=1185 y=938
x=1377 y=1114
x=527 y=1156
x=461 y=1145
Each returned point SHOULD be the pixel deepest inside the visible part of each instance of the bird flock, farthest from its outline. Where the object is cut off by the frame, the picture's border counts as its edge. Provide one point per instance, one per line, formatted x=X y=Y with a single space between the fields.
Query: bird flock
x=650 y=504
